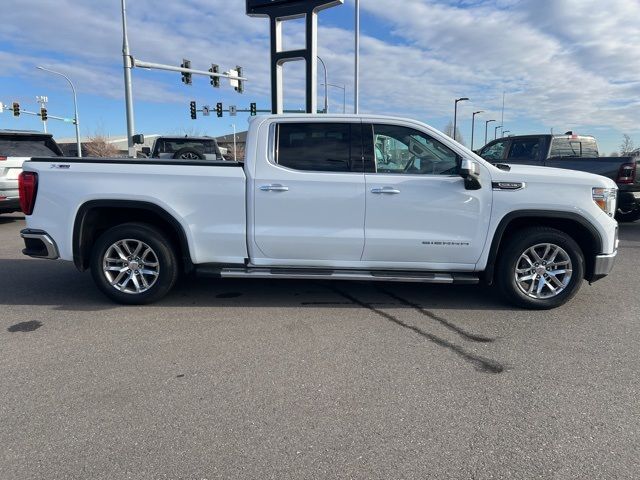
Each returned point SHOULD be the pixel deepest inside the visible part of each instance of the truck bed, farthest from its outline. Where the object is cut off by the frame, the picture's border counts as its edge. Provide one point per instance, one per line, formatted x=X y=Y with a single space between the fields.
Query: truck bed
x=208 y=198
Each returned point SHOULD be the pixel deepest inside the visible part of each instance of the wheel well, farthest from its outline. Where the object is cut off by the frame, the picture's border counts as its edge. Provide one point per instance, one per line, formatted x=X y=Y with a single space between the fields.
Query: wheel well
x=583 y=233
x=95 y=218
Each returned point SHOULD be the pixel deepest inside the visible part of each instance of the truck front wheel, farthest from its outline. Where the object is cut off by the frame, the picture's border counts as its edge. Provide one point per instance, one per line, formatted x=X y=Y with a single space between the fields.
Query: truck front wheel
x=540 y=268
x=134 y=264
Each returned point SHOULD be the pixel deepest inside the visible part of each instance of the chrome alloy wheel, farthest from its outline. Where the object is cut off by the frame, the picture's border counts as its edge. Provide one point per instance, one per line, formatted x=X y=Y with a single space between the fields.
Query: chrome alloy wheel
x=189 y=156
x=543 y=271
x=131 y=266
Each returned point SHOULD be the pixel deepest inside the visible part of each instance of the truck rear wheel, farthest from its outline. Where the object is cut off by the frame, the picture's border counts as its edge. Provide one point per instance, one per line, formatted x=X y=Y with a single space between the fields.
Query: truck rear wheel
x=134 y=264
x=540 y=268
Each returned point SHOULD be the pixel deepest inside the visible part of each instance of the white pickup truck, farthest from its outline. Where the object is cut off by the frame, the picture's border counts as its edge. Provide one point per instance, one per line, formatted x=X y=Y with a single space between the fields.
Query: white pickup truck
x=325 y=197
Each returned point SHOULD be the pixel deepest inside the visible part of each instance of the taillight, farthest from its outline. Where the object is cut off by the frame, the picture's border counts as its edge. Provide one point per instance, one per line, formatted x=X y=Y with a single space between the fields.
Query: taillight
x=627 y=173
x=2 y=158
x=28 y=188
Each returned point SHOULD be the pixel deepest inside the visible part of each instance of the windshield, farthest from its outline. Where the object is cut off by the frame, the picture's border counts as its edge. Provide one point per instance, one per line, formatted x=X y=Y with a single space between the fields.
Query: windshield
x=28 y=146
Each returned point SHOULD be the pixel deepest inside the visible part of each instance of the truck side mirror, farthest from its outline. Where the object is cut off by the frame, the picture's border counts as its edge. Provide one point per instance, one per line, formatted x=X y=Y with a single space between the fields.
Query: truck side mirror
x=138 y=139
x=470 y=171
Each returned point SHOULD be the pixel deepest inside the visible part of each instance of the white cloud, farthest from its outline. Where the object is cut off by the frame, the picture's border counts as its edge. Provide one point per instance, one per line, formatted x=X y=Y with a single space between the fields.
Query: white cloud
x=574 y=62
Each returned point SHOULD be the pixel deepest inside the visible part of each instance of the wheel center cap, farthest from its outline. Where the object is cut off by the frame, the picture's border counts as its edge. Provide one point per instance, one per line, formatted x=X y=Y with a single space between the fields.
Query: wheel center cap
x=541 y=270
x=134 y=265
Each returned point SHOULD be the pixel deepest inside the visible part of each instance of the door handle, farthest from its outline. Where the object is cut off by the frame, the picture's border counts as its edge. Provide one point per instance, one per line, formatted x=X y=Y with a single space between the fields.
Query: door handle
x=385 y=190
x=275 y=187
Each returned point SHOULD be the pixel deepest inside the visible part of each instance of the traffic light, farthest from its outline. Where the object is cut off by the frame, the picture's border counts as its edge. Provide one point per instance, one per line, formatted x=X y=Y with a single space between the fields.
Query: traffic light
x=43 y=114
x=215 y=81
x=253 y=108
x=16 y=109
x=192 y=107
x=186 y=77
x=219 y=109
x=240 y=86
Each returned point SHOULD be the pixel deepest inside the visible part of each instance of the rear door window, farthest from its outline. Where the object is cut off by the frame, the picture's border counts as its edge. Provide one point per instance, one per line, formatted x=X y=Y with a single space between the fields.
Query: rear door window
x=525 y=149
x=28 y=146
x=317 y=147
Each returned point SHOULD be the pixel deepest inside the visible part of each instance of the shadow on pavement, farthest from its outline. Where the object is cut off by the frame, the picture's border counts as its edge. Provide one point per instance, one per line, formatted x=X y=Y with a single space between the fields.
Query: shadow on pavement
x=40 y=282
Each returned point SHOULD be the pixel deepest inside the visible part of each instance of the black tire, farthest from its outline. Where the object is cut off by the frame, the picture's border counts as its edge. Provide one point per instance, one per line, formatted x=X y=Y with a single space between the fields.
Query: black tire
x=161 y=253
x=627 y=217
x=510 y=256
x=189 y=153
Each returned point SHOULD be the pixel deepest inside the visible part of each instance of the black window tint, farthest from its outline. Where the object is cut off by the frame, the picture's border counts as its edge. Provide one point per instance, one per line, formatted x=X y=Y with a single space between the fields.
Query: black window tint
x=320 y=147
x=525 y=149
x=574 y=147
x=494 y=152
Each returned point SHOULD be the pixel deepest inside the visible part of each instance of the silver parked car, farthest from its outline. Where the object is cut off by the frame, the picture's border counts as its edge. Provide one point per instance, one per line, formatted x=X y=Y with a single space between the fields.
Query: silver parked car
x=16 y=146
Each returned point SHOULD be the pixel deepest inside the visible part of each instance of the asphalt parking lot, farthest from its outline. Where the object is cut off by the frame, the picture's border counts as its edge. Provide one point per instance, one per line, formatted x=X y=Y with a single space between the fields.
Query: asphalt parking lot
x=306 y=379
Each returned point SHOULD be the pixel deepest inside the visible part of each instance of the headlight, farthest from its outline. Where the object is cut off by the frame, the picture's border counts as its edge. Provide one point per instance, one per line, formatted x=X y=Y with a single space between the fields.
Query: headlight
x=605 y=198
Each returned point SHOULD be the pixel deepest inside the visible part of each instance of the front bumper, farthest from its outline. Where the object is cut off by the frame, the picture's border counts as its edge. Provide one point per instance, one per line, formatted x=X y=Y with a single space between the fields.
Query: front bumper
x=39 y=244
x=602 y=266
x=628 y=201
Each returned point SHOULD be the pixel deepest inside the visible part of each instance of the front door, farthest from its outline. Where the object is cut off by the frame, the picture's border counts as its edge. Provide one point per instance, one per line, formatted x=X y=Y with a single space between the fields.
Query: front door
x=310 y=196
x=419 y=214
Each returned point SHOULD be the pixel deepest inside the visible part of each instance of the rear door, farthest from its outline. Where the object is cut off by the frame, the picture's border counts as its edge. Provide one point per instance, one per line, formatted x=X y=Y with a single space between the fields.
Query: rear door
x=310 y=195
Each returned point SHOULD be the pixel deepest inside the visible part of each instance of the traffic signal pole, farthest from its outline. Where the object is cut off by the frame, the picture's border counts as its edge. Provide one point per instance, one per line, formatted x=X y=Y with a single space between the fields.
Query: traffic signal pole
x=128 y=93
x=129 y=62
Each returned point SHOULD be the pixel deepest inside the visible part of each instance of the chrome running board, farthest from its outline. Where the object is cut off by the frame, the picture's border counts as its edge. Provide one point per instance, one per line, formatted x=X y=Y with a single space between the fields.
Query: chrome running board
x=340 y=274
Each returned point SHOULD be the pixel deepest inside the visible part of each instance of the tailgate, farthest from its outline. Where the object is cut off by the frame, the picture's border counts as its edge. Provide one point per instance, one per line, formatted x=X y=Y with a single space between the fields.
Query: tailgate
x=11 y=167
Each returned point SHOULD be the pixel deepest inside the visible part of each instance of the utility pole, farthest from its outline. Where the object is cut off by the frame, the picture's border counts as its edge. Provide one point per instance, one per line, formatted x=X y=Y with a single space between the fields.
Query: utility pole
x=495 y=132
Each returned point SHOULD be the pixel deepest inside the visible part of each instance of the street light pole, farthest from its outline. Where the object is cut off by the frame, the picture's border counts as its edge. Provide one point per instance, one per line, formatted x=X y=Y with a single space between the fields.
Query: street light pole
x=326 y=87
x=473 y=125
x=505 y=132
x=455 y=114
x=495 y=132
x=344 y=95
x=486 y=126
x=76 y=120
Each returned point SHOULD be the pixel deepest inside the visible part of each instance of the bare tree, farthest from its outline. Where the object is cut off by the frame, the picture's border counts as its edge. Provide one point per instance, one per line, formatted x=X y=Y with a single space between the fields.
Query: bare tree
x=627 y=145
x=98 y=146
x=448 y=130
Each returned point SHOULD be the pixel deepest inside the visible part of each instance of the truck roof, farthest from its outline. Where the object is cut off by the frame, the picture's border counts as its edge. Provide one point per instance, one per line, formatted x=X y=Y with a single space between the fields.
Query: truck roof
x=26 y=133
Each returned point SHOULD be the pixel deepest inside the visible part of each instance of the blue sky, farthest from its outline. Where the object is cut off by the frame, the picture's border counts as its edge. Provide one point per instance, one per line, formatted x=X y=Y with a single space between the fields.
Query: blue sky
x=564 y=64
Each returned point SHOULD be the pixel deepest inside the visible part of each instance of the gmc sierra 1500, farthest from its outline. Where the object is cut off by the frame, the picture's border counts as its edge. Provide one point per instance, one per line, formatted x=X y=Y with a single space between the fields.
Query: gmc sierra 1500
x=325 y=197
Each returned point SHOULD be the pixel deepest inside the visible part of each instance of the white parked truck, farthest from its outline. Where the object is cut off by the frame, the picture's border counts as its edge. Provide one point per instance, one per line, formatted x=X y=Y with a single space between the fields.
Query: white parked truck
x=325 y=197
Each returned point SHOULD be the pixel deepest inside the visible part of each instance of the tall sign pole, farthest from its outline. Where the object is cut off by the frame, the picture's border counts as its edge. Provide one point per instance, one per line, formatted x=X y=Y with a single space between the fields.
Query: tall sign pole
x=356 y=91
x=279 y=11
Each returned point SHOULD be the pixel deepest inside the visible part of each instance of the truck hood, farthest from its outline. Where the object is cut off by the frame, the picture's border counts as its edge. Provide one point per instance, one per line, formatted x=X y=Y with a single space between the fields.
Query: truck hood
x=559 y=176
